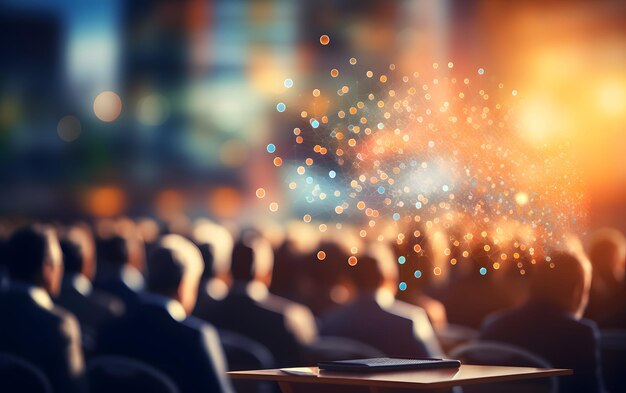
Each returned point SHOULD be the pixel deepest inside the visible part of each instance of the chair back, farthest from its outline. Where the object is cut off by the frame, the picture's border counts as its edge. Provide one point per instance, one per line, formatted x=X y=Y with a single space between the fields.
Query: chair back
x=338 y=348
x=613 y=351
x=119 y=374
x=499 y=354
x=18 y=375
x=243 y=353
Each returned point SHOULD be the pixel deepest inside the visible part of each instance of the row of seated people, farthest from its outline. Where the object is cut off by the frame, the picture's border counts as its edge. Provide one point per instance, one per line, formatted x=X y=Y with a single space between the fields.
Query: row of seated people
x=118 y=316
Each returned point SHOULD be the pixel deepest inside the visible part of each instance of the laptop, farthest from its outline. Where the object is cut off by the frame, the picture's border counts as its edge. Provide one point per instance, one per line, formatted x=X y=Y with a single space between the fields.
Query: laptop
x=387 y=364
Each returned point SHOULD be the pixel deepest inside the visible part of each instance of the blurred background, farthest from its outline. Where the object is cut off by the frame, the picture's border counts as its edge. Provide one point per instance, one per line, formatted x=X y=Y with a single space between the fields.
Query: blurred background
x=163 y=107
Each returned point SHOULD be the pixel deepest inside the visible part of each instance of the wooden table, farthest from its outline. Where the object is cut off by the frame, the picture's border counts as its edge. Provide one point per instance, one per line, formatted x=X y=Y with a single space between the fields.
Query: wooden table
x=415 y=379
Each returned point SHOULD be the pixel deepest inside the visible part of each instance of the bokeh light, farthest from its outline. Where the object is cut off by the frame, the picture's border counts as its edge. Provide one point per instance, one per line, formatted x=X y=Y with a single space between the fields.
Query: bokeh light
x=107 y=106
x=69 y=128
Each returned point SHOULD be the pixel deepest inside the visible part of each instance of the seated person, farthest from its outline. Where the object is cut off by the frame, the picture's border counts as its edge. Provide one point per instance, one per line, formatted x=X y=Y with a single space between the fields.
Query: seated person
x=607 y=302
x=216 y=246
x=550 y=323
x=115 y=275
x=159 y=331
x=91 y=306
x=376 y=318
x=32 y=327
x=282 y=326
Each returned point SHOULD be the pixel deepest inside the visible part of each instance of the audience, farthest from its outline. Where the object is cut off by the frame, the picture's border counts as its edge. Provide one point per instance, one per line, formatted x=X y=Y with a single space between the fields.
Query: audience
x=550 y=323
x=374 y=317
x=159 y=331
x=92 y=307
x=32 y=327
x=249 y=309
x=229 y=285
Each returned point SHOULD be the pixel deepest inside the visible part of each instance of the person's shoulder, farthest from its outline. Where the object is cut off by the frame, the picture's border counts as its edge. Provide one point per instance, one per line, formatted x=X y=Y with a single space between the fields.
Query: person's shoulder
x=195 y=326
x=500 y=319
x=65 y=320
x=107 y=302
x=406 y=310
x=587 y=327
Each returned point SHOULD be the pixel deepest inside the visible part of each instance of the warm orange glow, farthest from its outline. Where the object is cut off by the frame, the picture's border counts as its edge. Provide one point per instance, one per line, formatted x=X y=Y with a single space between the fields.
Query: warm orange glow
x=225 y=202
x=104 y=201
x=169 y=202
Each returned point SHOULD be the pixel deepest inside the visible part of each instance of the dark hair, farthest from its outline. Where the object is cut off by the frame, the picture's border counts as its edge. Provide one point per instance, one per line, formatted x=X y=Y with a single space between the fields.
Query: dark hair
x=27 y=252
x=555 y=281
x=165 y=271
x=367 y=274
x=242 y=262
x=206 y=250
x=73 y=256
x=113 y=250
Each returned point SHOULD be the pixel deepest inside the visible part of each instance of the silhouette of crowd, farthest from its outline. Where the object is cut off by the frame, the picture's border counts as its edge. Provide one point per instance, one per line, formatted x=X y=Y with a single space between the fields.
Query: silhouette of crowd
x=185 y=301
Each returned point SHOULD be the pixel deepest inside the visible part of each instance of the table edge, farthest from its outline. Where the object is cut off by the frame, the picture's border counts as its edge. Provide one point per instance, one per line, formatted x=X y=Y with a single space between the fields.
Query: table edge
x=546 y=373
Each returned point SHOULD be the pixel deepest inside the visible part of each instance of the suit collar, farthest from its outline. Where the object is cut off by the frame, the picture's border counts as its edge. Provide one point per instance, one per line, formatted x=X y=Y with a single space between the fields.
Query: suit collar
x=171 y=306
x=37 y=294
x=78 y=282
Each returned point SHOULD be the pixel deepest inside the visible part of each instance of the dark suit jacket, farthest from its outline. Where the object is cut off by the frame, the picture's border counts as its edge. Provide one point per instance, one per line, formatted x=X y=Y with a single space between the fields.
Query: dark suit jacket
x=92 y=307
x=272 y=321
x=555 y=336
x=123 y=282
x=398 y=330
x=158 y=333
x=47 y=336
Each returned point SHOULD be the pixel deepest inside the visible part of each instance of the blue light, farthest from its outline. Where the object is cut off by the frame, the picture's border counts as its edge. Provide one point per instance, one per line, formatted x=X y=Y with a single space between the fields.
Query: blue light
x=481 y=71
x=418 y=274
x=402 y=286
x=332 y=174
x=483 y=271
x=418 y=205
x=288 y=83
x=401 y=260
x=314 y=123
x=381 y=190
x=281 y=107
x=271 y=148
x=309 y=180
x=396 y=216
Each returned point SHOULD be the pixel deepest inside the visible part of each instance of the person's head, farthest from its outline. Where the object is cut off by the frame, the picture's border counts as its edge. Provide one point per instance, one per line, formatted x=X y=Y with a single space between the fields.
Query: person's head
x=113 y=251
x=175 y=267
x=563 y=283
x=78 y=252
x=34 y=256
x=216 y=244
x=375 y=270
x=607 y=252
x=252 y=260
